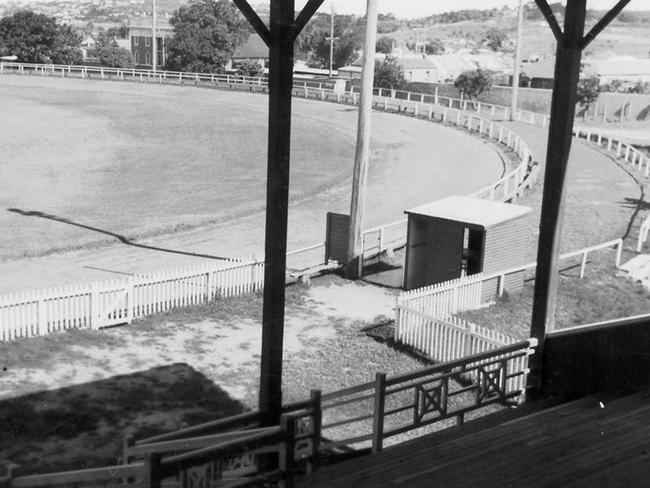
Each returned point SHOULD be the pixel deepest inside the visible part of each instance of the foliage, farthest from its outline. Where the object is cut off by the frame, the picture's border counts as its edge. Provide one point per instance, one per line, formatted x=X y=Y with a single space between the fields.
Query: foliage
x=389 y=74
x=314 y=46
x=249 y=68
x=105 y=38
x=434 y=46
x=588 y=89
x=495 y=38
x=384 y=45
x=473 y=83
x=618 y=86
x=462 y=16
x=114 y=57
x=206 y=33
x=37 y=38
x=387 y=23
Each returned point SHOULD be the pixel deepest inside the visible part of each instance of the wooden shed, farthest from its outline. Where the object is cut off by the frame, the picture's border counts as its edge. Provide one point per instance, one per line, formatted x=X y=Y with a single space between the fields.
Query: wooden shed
x=460 y=236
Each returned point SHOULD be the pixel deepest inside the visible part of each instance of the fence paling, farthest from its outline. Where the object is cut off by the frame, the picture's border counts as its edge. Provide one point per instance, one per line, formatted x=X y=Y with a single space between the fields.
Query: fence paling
x=114 y=302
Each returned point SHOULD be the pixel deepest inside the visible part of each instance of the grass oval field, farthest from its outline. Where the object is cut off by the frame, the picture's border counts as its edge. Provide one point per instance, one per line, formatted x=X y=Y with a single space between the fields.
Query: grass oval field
x=86 y=161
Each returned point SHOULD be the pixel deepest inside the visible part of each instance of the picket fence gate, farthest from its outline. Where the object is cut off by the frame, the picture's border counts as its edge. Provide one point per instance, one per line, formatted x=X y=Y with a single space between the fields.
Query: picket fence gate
x=119 y=301
x=425 y=320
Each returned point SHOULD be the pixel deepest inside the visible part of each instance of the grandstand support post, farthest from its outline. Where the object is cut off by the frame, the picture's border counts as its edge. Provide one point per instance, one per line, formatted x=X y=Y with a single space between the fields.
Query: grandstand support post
x=570 y=44
x=353 y=268
x=280 y=36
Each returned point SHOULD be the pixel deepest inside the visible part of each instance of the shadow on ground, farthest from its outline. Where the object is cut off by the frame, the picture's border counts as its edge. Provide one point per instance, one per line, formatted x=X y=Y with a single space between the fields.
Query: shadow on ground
x=83 y=425
x=123 y=239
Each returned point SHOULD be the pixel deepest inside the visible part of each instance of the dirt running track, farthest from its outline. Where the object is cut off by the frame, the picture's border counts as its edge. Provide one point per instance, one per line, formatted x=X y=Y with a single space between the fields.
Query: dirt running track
x=413 y=161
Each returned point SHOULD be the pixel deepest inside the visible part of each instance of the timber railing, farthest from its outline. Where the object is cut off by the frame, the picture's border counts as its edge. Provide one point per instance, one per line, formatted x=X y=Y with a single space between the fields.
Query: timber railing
x=425 y=318
x=366 y=415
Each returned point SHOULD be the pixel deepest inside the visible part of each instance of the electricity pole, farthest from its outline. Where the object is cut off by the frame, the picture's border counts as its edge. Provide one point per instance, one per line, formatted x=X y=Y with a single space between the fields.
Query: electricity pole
x=331 y=38
x=517 y=67
x=154 y=42
x=357 y=205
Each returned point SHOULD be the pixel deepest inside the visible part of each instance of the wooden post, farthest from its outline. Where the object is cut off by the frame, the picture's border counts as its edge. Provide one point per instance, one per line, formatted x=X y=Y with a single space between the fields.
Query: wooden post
x=317 y=417
x=287 y=449
x=280 y=38
x=153 y=477
x=357 y=205
x=277 y=199
x=567 y=72
x=378 y=416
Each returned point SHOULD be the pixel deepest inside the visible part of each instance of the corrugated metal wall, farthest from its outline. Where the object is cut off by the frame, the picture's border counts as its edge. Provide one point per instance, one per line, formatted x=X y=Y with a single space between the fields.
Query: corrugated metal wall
x=505 y=247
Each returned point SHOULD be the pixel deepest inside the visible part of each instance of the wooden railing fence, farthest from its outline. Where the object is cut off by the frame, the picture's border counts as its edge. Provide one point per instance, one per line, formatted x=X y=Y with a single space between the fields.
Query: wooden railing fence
x=367 y=414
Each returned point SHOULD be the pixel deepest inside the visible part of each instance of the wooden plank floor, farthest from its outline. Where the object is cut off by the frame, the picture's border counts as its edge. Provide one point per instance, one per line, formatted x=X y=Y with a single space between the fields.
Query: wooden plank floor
x=577 y=444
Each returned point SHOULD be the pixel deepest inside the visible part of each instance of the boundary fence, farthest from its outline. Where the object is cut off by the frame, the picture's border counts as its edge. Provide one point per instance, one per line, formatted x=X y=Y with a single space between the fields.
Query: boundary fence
x=112 y=302
x=424 y=318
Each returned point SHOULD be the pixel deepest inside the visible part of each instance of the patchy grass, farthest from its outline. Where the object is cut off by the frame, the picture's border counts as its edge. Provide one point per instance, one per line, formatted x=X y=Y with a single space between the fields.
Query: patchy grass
x=601 y=295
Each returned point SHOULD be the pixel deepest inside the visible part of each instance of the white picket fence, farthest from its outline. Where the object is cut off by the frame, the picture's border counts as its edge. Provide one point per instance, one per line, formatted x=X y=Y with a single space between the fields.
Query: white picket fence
x=113 y=302
x=425 y=321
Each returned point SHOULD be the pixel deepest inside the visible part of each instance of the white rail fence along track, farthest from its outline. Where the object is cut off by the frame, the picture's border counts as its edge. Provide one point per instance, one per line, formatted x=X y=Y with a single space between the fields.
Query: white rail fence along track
x=115 y=302
x=425 y=318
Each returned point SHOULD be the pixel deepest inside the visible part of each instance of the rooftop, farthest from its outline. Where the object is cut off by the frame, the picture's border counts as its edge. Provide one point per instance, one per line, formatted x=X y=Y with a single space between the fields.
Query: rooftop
x=471 y=210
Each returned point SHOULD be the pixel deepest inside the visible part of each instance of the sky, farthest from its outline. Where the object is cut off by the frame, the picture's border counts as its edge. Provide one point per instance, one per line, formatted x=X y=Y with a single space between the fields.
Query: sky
x=422 y=8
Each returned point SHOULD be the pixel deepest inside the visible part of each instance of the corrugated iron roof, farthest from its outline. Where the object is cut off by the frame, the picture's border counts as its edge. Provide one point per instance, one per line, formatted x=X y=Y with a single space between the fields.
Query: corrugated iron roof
x=484 y=213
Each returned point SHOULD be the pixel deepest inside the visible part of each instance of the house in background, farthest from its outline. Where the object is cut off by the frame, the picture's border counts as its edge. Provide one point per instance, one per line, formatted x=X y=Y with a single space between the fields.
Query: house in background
x=140 y=44
x=540 y=73
x=253 y=50
x=626 y=69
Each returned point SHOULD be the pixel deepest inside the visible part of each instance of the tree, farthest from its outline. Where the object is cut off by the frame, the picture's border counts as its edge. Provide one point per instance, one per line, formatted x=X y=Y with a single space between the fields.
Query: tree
x=389 y=74
x=385 y=45
x=588 y=89
x=314 y=46
x=494 y=38
x=434 y=46
x=37 y=38
x=249 y=68
x=473 y=83
x=206 y=33
x=114 y=57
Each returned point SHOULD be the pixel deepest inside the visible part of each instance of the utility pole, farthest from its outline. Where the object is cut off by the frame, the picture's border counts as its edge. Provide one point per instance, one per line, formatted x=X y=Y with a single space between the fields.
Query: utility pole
x=517 y=67
x=154 y=41
x=331 y=38
x=354 y=265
